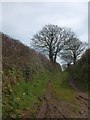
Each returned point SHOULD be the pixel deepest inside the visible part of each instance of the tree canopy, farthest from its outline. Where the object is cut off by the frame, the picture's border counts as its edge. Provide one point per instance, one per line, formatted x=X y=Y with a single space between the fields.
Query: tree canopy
x=58 y=41
x=73 y=49
x=50 y=40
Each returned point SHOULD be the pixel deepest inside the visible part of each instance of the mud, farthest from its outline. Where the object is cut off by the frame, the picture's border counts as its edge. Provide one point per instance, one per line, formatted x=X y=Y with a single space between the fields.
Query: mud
x=51 y=107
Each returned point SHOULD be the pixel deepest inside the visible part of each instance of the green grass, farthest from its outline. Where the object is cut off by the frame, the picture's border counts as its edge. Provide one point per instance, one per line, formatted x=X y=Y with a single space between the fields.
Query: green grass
x=61 y=87
x=63 y=91
x=26 y=96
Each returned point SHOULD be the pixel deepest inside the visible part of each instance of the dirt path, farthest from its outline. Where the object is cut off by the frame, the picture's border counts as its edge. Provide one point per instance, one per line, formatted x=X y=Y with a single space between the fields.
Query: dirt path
x=80 y=94
x=51 y=107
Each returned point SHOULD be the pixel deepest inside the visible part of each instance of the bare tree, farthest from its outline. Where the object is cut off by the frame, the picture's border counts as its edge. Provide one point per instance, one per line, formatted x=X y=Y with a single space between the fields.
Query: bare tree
x=50 y=41
x=73 y=49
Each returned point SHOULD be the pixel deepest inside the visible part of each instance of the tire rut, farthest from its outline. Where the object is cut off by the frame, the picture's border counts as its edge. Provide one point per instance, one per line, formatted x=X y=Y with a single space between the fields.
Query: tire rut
x=51 y=107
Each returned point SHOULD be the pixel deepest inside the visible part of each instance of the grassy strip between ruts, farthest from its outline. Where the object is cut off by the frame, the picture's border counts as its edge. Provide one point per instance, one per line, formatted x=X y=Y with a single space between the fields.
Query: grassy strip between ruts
x=62 y=90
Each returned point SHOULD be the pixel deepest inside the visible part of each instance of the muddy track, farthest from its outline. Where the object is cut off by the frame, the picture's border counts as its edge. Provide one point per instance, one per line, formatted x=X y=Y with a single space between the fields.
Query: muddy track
x=79 y=94
x=51 y=107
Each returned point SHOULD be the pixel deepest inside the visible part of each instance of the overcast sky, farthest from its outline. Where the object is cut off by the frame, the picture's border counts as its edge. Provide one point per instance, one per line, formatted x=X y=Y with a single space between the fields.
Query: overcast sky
x=22 y=20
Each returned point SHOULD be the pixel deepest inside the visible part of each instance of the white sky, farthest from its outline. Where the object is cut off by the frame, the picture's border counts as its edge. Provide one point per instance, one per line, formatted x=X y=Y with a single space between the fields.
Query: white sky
x=21 y=20
x=44 y=0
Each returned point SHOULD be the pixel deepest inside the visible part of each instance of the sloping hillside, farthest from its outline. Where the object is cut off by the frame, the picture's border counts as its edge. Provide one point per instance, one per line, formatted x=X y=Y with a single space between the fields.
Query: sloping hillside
x=17 y=56
x=22 y=67
x=80 y=71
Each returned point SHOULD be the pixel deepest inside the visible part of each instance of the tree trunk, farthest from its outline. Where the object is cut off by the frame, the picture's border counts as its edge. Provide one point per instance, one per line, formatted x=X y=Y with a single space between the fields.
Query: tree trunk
x=51 y=58
x=55 y=57
x=74 y=59
x=50 y=54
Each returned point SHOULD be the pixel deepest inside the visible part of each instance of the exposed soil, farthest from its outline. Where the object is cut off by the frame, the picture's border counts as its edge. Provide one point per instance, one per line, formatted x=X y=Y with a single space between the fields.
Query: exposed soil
x=79 y=93
x=51 y=107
